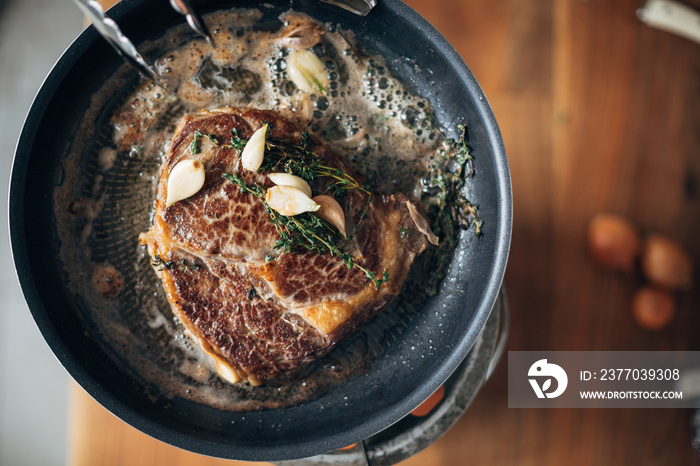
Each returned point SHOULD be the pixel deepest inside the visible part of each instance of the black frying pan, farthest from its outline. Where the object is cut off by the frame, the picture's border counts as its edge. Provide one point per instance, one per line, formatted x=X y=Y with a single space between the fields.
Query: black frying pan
x=420 y=355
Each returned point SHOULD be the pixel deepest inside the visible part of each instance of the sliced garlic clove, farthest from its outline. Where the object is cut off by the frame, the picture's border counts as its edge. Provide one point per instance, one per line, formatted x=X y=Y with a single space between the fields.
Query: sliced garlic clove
x=286 y=179
x=289 y=201
x=185 y=180
x=421 y=223
x=302 y=36
x=331 y=212
x=254 y=150
x=307 y=72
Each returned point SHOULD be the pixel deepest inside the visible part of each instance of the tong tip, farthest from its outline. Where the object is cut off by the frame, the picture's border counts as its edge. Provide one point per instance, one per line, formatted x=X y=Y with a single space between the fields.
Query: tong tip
x=194 y=20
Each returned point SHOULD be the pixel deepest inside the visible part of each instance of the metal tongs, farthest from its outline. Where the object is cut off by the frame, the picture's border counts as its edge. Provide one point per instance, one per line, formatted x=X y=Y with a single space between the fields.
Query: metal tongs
x=109 y=29
x=184 y=7
x=111 y=32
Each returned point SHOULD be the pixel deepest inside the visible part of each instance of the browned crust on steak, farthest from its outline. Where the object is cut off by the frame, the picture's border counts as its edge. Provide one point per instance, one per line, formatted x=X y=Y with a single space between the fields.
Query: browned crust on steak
x=251 y=337
x=257 y=317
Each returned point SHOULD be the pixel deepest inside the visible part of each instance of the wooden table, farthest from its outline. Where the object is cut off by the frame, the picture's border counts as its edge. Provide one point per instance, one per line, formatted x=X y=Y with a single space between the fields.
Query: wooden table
x=599 y=113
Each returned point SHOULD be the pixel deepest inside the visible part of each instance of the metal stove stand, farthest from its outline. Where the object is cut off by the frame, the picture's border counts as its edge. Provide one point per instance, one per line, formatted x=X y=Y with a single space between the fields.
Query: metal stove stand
x=412 y=434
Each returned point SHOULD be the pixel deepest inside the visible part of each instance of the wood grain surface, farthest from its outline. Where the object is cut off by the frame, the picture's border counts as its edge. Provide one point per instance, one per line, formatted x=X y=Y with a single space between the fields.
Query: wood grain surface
x=599 y=113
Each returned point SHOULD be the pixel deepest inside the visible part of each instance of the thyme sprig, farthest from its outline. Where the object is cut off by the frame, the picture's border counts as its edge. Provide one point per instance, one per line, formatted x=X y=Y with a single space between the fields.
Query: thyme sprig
x=294 y=158
x=299 y=160
x=450 y=181
x=306 y=231
x=449 y=210
x=343 y=181
x=236 y=141
x=158 y=262
x=194 y=145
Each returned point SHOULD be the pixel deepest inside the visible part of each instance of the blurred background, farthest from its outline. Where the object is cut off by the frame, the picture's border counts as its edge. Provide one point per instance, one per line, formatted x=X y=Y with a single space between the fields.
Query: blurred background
x=599 y=113
x=33 y=385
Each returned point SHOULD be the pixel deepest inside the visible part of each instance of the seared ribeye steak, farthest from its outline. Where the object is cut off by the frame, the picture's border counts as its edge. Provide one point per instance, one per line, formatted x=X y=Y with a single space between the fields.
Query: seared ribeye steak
x=257 y=309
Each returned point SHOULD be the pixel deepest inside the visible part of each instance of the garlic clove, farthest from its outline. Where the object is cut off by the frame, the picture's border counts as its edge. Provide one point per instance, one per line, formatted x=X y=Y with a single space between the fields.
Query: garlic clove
x=254 y=150
x=302 y=36
x=185 y=180
x=286 y=179
x=331 y=212
x=289 y=201
x=421 y=223
x=307 y=71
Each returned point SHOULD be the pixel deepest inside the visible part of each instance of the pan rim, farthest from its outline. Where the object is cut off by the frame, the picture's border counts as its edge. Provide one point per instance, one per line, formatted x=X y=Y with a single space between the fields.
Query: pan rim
x=145 y=424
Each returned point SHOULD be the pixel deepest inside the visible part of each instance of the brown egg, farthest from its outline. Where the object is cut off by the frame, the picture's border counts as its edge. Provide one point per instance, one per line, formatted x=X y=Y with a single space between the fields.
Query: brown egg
x=666 y=263
x=653 y=308
x=613 y=242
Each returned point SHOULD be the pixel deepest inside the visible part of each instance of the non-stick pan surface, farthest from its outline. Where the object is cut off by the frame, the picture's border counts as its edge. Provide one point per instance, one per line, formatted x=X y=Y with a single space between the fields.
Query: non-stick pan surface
x=421 y=354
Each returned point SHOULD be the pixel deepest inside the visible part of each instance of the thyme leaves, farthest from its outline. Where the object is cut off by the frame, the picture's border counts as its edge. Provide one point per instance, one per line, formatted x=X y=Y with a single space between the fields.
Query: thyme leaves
x=306 y=231
x=160 y=264
x=341 y=181
x=297 y=159
x=255 y=190
x=194 y=145
x=236 y=142
x=294 y=158
x=449 y=210
x=449 y=181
